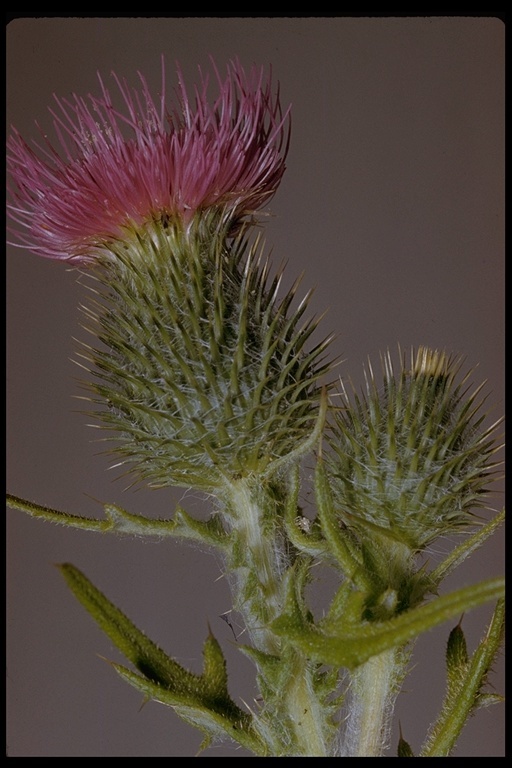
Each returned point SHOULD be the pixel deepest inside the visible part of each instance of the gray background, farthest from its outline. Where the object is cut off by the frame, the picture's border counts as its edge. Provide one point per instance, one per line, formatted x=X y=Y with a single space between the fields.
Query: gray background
x=392 y=204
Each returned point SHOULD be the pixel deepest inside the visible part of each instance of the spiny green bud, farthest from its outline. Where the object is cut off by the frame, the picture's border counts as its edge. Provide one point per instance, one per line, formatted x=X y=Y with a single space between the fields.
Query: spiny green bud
x=203 y=369
x=409 y=459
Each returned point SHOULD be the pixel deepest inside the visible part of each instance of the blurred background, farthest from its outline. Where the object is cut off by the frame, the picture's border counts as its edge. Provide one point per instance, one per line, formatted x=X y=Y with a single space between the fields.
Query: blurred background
x=393 y=207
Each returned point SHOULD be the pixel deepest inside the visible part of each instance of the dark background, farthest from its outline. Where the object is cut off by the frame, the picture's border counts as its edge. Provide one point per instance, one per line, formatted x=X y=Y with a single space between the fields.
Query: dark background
x=393 y=206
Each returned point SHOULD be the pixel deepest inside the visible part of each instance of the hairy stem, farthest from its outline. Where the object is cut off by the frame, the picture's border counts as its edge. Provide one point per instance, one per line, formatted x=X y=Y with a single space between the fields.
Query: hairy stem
x=374 y=690
x=292 y=721
x=258 y=564
x=306 y=713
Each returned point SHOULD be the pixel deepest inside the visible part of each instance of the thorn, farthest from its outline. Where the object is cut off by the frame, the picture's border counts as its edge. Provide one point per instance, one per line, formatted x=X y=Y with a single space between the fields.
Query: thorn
x=144 y=702
x=248 y=707
x=224 y=617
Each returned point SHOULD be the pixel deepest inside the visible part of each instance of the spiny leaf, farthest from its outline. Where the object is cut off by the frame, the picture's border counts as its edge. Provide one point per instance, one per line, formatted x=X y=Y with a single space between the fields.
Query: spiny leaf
x=202 y=699
x=340 y=544
x=273 y=671
x=154 y=663
x=465 y=548
x=56 y=516
x=303 y=533
x=214 y=723
x=464 y=686
x=484 y=700
x=352 y=646
x=214 y=669
x=403 y=749
x=120 y=521
x=456 y=654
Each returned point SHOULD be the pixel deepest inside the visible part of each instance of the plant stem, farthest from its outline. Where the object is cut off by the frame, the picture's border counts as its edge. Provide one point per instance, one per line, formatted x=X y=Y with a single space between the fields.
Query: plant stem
x=306 y=713
x=292 y=721
x=258 y=565
x=374 y=690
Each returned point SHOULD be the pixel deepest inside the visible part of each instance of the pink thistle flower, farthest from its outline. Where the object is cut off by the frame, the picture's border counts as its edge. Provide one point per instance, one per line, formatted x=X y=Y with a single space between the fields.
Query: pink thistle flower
x=119 y=169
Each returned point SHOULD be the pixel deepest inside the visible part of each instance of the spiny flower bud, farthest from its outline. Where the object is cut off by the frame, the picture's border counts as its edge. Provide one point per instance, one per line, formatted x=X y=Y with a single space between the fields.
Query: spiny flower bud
x=202 y=366
x=408 y=458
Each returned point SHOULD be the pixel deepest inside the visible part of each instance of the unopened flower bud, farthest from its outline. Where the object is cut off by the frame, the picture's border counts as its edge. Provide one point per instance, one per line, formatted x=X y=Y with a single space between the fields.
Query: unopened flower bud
x=408 y=456
x=202 y=366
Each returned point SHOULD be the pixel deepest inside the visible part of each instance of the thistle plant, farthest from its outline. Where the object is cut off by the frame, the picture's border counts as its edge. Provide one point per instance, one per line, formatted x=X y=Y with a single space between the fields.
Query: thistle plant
x=205 y=374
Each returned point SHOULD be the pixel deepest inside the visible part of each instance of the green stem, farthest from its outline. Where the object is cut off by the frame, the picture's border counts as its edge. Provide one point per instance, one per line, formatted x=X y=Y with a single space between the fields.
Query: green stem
x=257 y=565
x=259 y=562
x=374 y=689
x=306 y=713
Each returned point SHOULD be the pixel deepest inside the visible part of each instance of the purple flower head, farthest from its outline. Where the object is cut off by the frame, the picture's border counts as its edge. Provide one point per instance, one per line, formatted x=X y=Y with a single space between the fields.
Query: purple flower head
x=119 y=168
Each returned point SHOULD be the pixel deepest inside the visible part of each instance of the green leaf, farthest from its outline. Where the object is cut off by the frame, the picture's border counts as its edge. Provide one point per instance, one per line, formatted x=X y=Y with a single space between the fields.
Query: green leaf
x=466 y=548
x=465 y=680
x=303 y=533
x=210 y=532
x=352 y=645
x=456 y=656
x=139 y=649
x=55 y=516
x=338 y=539
x=484 y=700
x=404 y=749
x=205 y=697
x=212 y=722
